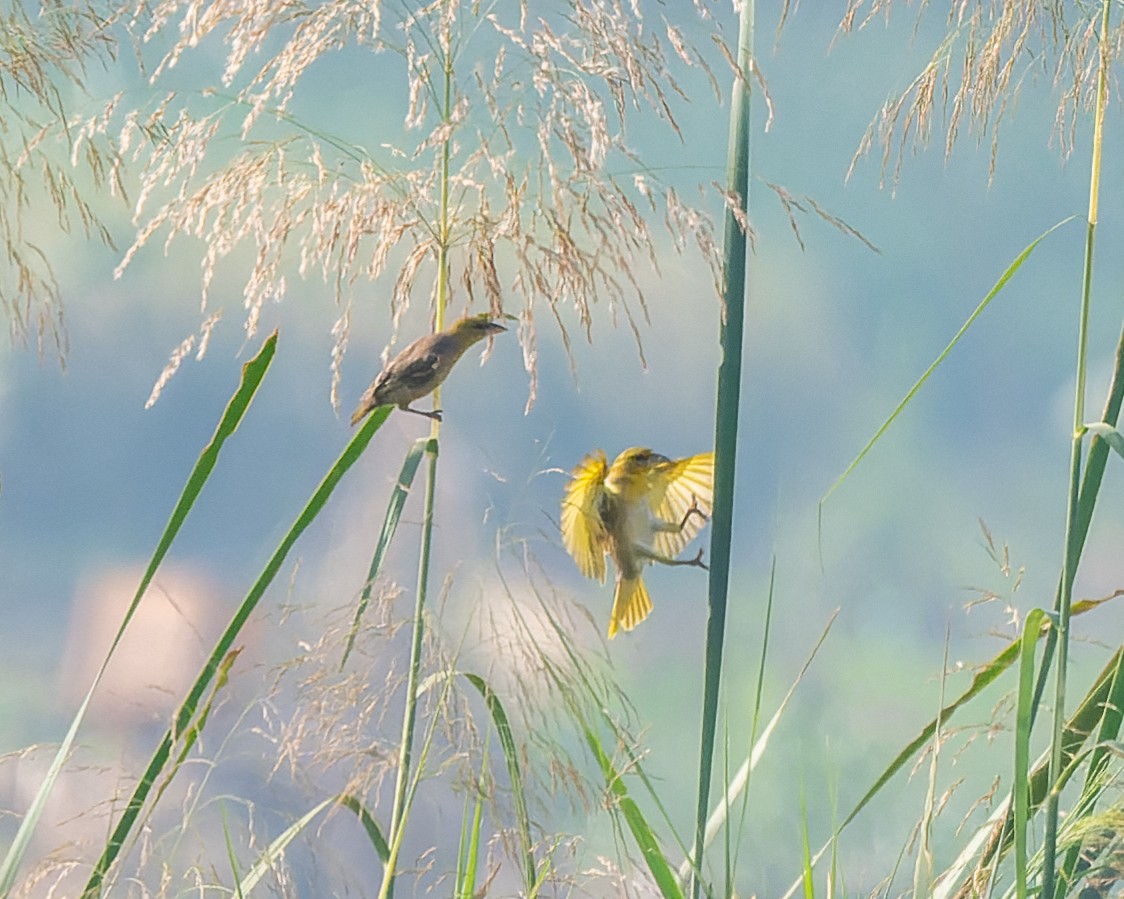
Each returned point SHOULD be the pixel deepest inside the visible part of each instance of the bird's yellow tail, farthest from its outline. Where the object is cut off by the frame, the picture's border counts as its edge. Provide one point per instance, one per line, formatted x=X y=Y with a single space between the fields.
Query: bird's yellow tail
x=631 y=605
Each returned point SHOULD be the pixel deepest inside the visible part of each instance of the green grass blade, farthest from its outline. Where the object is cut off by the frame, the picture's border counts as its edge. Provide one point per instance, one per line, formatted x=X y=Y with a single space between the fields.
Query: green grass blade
x=728 y=402
x=994 y=838
x=646 y=841
x=277 y=847
x=740 y=783
x=187 y=741
x=727 y=848
x=923 y=869
x=1097 y=456
x=1023 y=719
x=514 y=773
x=378 y=841
x=511 y=758
x=806 y=877
x=755 y=718
x=984 y=303
x=636 y=766
x=1108 y=434
x=462 y=850
x=1109 y=732
x=238 y=894
x=389 y=526
x=1080 y=725
x=1074 y=540
x=1095 y=464
x=468 y=855
x=402 y=788
x=252 y=374
x=416 y=771
x=983 y=678
x=190 y=705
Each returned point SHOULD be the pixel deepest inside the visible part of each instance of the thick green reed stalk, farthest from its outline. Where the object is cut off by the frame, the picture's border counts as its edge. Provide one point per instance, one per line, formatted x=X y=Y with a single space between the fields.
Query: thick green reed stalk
x=400 y=810
x=726 y=428
x=1073 y=536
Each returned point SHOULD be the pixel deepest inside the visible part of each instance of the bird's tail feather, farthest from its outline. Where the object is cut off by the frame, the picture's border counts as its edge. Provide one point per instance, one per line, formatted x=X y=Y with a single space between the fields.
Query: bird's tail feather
x=631 y=605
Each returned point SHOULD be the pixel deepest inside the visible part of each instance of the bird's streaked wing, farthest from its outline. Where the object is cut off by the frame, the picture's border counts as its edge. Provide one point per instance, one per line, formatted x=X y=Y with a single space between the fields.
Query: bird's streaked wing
x=416 y=373
x=583 y=532
x=674 y=487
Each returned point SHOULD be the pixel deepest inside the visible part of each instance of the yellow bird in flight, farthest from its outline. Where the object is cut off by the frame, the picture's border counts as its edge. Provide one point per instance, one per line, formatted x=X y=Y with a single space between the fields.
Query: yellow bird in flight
x=644 y=508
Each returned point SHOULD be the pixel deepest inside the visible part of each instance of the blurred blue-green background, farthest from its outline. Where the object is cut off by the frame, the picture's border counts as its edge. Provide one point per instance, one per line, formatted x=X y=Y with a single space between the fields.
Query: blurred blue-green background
x=835 y=336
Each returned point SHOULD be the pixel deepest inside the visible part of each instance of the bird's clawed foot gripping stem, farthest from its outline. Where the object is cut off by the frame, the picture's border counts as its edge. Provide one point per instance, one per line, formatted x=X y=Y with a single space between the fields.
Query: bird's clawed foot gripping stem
x=694 y=510
x=435 y=414
x=696 y=562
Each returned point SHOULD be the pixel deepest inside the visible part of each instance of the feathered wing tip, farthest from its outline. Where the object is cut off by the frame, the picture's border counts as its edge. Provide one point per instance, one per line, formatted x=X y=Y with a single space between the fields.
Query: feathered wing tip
x=676 y=487
x=583 y=532
x=366 y=401
x=631 y=605
x=361 y=410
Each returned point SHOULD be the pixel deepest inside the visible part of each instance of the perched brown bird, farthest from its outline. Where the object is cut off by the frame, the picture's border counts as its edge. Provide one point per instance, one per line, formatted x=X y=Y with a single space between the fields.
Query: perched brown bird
x=644 y=508
x=423 y=365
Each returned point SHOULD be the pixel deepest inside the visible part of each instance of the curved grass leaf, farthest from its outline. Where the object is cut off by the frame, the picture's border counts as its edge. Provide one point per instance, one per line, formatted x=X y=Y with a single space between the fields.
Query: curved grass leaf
x=806 y=876
x=231 y=857
x=252 y=374
x=1108 y=434
x=511 y=756
x=993 y=840
x=191 y=704
x=740 y=782
x=1106 y=745
x=983 y=678
x=984 y=303
x=196 y=728
x=275 y=849
x=403 y=787
x=923 y=872
x=468 y=853
x=389 y=526
x=1035 y=619
x=378 y=841
x=646 y=841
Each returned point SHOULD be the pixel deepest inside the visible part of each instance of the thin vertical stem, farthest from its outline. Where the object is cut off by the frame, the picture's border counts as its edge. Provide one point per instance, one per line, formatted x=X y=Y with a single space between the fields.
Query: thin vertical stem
x=402 y=779
x=401 y=784
x=1073 y=536
x=443 y=214
x=726 y=426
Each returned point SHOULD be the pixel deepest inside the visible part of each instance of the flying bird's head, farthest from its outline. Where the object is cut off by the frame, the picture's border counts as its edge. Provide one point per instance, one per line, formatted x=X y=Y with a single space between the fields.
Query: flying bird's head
x=628 y=475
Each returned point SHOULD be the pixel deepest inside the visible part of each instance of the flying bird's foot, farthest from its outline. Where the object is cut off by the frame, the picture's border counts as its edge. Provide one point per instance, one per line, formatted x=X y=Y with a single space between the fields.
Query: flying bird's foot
x=697 y=562
x=694 y=510
x=435 y=414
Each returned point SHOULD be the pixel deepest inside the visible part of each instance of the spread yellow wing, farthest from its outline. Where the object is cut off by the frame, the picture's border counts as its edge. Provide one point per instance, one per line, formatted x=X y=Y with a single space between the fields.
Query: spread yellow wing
x=583 y=532
x=673 y=488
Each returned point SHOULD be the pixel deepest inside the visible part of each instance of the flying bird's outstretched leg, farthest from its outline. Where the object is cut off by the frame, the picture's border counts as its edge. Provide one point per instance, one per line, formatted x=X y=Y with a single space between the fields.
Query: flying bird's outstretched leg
x=696 y=562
